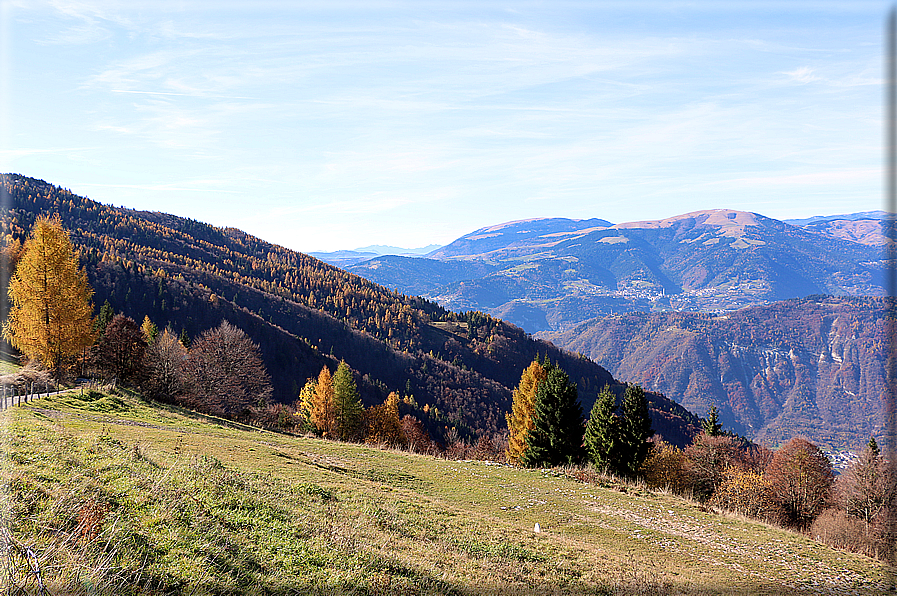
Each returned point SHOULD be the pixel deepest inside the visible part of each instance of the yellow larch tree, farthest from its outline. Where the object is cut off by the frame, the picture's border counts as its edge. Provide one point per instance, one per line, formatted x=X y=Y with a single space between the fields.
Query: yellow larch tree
x=51 y=315
x=520 y=420
x=305 y=401
x=383 y=423
x=149 y=330
x=323 y=413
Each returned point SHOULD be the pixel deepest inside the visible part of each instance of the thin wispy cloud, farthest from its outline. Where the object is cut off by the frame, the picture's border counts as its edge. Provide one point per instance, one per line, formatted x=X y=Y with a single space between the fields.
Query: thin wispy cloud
x=803 y=74
x=379 y=113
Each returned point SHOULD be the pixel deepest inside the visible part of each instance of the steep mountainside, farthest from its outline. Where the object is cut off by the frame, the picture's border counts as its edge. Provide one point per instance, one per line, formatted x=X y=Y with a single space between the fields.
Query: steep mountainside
x=305 y=313
x=550 y=274
x=812 y=367
x=862 y=231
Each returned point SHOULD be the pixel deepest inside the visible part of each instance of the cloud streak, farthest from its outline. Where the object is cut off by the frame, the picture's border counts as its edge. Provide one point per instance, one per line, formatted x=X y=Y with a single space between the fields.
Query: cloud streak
x=387 y=114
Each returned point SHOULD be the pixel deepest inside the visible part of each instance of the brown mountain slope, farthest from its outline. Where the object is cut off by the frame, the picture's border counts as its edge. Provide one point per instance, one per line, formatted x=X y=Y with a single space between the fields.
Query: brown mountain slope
x=812 y=366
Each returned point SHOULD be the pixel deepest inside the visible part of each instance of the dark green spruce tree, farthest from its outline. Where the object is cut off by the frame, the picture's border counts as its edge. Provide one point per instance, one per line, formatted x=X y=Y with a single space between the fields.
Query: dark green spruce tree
x=635 y=430
x=602 y=439
x=346 y=403
x=711 y=425
x=556 y=436
x=104 y=318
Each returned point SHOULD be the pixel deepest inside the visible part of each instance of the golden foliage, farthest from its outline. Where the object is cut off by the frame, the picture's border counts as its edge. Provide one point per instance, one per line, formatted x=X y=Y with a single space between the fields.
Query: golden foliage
x=383 y=423
x=322 y=413
x=746 y=492
x=665 y=468
x=149 y=330
x=520 y=420
x=51 y=314
x=306 y=400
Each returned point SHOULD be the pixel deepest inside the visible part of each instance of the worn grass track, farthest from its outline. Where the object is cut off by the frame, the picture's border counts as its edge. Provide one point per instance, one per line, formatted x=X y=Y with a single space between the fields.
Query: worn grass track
x=115 y=496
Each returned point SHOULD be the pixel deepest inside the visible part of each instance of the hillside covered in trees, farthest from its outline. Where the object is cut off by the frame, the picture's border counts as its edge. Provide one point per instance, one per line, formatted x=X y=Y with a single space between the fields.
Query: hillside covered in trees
x=813 y=366
x=303 y=313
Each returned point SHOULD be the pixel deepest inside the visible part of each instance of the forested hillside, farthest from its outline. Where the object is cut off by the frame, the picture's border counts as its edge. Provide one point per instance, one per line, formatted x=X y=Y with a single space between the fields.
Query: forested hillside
x=460 y=367
x=811 y=367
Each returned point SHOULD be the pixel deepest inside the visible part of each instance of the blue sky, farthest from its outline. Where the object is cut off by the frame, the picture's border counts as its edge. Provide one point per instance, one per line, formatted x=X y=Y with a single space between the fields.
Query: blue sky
x=328 y=125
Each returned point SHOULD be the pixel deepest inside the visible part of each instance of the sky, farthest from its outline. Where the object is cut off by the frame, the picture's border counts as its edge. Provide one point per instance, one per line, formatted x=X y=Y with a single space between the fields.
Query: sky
x=335 y=125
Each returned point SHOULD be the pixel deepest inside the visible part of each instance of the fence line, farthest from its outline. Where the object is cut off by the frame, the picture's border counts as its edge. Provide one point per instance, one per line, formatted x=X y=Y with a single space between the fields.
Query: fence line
x=10 y=395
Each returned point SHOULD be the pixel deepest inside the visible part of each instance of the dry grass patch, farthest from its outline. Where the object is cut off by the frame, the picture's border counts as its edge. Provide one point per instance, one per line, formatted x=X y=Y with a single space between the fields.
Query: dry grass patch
x=116 y=496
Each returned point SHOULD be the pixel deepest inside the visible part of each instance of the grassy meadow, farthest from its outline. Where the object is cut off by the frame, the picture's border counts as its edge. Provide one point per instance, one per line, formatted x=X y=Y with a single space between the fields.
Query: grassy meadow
x=106 y=494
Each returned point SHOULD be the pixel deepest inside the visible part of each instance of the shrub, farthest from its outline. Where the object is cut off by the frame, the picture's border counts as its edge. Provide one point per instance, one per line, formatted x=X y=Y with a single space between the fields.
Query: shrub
x=163 y=362
x=665 y=468
x=801 y=477
x=748 y=493
x=416 y=435
x=837 y=529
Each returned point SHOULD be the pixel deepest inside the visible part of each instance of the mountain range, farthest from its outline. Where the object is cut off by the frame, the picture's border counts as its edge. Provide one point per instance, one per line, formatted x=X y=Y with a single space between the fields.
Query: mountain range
x=549 y=274
x=774 y=362
x=708 y=308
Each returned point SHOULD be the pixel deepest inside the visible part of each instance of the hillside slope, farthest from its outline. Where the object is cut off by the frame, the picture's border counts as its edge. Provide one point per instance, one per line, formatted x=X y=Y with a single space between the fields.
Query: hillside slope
x=812 y=367
x=305 y=313
x=117 y=496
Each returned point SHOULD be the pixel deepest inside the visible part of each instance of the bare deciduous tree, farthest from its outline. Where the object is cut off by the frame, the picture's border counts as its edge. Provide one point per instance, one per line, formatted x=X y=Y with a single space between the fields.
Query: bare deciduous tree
x=118 y=353
x=706 y=462
x=225 y=373
x=164 y=361
x=867 y=488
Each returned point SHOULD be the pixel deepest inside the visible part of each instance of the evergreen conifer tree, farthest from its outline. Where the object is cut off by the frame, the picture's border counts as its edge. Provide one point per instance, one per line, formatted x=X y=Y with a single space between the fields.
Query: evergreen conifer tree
x=711 y=424
x=556 y=436
x=635 y=430
x=348 y=411
x=184 y=339
x=602 y=432
x=104 y=318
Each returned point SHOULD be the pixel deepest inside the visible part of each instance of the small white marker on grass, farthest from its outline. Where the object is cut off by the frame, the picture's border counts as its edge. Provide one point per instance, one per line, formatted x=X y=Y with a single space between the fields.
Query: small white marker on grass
x=537 y=529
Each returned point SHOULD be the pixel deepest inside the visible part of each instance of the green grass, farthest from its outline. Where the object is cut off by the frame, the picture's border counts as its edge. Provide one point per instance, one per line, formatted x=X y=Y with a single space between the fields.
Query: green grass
x=9 y=368
x=115 y=496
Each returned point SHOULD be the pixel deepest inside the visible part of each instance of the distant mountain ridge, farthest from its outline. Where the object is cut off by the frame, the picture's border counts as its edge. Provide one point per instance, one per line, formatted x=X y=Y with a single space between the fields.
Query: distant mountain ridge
x=548 y=274
x=345 y=258
x=874 y=215
x=516 y=235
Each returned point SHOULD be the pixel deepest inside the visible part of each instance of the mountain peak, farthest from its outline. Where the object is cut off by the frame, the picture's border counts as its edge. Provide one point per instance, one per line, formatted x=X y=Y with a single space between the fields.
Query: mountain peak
x=722 y=218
